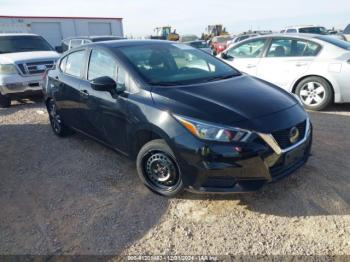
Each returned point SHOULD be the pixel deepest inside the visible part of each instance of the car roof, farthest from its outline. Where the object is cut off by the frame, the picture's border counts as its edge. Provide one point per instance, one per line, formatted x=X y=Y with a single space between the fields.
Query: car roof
x=17 y=34
x=302 y=26
x=92 y=37
x=301 y=36
x=122 y=43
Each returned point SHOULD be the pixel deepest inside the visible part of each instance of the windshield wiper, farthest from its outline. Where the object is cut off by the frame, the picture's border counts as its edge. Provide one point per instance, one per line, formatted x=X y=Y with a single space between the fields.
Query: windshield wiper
x=160 y=83
x=220 y=77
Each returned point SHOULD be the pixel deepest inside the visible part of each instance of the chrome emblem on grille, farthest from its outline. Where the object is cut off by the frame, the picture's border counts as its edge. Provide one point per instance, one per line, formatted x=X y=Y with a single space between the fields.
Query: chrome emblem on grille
x=294 y=135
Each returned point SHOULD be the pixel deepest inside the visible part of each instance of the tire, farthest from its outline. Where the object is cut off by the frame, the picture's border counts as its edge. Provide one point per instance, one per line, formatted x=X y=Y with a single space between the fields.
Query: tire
x=158 y=169
x=315 y=93
x=5 y=101
x=56 y=122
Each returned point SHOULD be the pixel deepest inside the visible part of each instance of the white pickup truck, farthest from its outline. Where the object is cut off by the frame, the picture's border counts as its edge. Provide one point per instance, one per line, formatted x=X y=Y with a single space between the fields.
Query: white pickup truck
x=24 y=58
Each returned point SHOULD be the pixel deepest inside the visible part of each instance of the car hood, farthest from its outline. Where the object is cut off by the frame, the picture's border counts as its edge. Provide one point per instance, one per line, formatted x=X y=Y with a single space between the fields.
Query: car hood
x=32 y=56
x=225 y=102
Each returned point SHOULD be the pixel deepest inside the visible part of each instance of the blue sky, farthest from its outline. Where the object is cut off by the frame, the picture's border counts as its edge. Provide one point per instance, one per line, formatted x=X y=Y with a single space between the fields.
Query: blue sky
x=192 y=16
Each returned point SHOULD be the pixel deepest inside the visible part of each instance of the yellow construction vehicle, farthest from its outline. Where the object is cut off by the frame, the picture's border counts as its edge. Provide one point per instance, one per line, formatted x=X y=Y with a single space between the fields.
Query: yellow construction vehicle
x=165 y=33
x=214 y=30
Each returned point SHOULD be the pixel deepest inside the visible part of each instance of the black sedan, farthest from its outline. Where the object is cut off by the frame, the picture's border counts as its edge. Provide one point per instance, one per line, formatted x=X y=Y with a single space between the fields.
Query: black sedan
x=190 y=120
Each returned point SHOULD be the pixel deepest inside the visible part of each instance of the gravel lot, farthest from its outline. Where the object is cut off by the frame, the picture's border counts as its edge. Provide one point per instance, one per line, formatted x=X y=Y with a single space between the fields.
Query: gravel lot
x=73 y=196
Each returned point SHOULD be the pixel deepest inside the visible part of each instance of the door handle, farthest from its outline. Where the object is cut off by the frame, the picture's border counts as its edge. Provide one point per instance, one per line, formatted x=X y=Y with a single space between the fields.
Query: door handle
x=251 y=66
x=84 y=93
x=300 y=64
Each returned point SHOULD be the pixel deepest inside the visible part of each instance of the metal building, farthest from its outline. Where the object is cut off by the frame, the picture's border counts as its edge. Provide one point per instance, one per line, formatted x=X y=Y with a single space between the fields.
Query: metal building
x=54 y=29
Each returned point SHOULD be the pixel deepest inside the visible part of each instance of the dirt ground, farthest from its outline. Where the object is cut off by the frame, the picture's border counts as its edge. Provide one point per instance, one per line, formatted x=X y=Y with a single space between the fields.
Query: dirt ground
x=74 y=196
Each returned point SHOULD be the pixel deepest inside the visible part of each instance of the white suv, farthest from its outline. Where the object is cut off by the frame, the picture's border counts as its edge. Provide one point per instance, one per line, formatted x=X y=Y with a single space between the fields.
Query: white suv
x=306 y=29
x=24 y=58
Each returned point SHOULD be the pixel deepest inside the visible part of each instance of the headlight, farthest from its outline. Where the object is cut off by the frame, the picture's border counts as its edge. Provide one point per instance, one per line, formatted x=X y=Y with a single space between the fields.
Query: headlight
x=8 y=69
x=212 y=132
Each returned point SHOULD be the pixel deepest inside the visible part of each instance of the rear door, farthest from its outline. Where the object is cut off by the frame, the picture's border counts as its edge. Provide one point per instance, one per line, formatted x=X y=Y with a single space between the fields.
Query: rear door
x=70 y=98
x=286 y=60
x=246 y=56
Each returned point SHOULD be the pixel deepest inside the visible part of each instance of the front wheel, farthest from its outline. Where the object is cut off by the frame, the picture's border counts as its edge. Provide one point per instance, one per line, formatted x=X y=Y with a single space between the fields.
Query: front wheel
x=315 y=93
x=158 y=169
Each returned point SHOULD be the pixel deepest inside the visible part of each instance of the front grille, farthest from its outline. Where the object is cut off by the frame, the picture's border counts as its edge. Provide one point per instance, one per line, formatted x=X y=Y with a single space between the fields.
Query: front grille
x=35 y=68
x=282 y=136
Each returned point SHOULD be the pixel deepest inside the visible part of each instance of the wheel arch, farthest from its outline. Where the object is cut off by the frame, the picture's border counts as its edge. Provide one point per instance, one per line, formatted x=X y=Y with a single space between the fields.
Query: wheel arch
x=144 y=135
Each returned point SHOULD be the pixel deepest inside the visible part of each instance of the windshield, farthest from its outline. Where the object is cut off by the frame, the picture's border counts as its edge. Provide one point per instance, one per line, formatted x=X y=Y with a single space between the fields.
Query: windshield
x=201 y=44
x=335 y=41
x=313 y=30
x=15 y=44
x=175 y=64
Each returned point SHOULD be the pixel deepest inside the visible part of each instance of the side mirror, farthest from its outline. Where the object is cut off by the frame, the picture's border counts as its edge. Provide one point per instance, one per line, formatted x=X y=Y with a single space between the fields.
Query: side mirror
x=59 y=49
x=225 y=56
x=104 y=83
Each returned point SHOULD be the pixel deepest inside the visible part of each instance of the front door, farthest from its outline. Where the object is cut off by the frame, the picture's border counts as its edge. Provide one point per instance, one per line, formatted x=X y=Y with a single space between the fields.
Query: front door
x=107 y=112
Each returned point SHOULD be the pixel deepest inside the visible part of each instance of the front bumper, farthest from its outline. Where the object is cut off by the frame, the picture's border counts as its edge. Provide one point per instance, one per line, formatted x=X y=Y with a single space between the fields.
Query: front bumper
x=17 y=85
x=244 y=167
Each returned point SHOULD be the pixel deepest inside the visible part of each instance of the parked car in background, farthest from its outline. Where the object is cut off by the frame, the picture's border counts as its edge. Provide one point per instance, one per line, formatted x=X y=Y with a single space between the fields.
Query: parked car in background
x=73 y=42
x=314 y=67
x=208 y=129
x=219 y=43
x=306 y=29
x=346 y=32
x=246 y=35
x=339 y=36
x=188 y=38
x=24 y=58
x=200 y=44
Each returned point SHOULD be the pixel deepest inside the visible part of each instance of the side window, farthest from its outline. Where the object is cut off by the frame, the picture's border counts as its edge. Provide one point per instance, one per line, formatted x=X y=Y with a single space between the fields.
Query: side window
x=63 y=64
x=280 y=48
x=75 y=43
x=292 y=47
x=101 y=64
x=291 y=31
x=306 y=48
x=251 y=49
x=75 y=62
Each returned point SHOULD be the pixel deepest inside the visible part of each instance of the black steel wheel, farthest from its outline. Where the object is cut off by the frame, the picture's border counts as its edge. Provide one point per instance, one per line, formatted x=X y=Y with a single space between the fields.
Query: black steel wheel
x=5 y=101
x=158 y=168
x=56 y=121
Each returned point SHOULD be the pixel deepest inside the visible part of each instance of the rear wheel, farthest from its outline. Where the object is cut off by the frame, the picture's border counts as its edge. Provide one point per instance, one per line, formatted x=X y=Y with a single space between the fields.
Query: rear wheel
x=5 y=101
x=315 y=93
x=158 y=169
x=58 y=127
